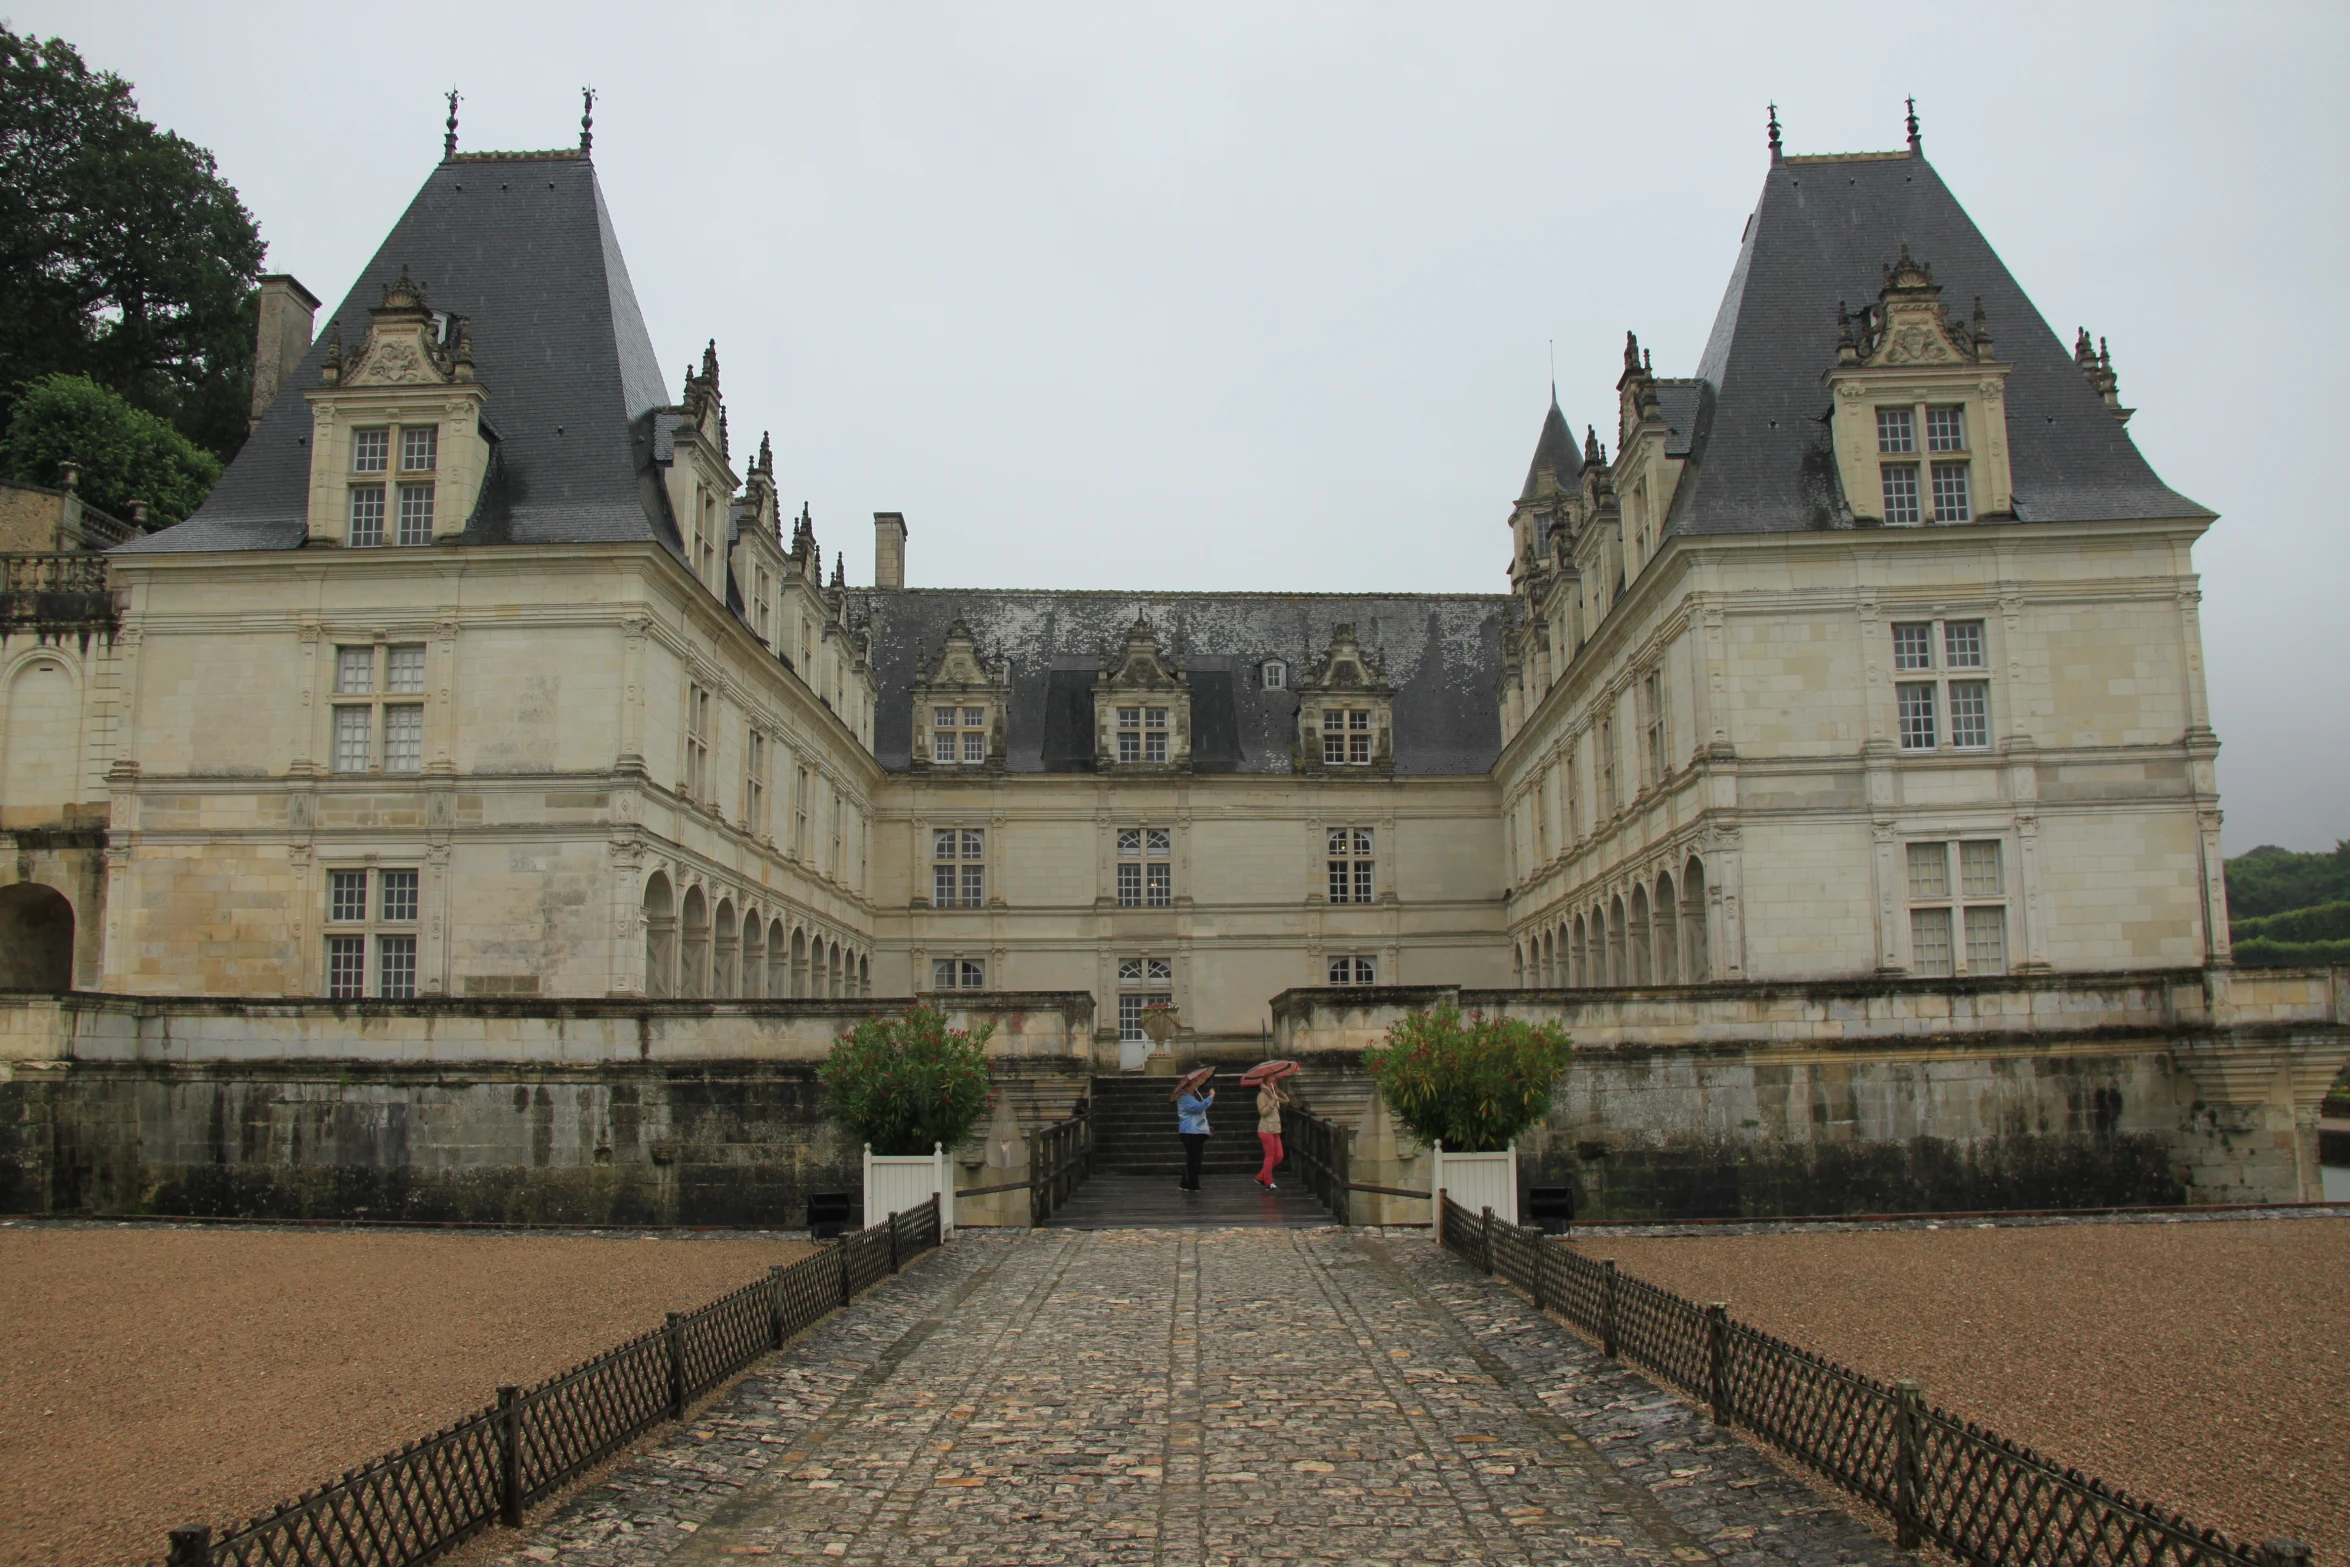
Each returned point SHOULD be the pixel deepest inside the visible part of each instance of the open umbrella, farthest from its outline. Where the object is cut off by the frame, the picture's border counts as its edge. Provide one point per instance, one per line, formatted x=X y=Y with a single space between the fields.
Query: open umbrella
x=1268 y=1072
x=1193 y=1081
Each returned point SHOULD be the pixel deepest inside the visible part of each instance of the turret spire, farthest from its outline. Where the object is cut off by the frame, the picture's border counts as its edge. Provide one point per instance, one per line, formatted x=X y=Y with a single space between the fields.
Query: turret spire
x=1776 y=154
x=449 y=140
x=587 y=119
x=1914 y=146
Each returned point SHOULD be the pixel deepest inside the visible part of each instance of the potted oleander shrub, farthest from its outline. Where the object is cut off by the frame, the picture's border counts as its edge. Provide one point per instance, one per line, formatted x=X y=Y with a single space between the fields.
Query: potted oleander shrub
x=1467 y=1085
x=908 y=1088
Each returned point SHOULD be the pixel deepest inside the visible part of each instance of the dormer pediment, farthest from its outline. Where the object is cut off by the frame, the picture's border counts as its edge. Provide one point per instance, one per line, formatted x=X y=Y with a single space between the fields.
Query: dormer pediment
x=1346 y=711
x=1141 y=707
x=964 y=706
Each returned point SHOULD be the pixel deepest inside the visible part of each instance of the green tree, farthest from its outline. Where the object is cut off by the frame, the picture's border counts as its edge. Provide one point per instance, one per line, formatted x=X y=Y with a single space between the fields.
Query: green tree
x=2270 y=880
x=123 y=254
x=1472 y=1082
x=125 y=453
x=905 y=1083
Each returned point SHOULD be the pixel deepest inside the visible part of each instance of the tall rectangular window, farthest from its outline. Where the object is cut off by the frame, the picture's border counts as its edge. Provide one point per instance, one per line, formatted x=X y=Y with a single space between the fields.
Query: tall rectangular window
x=1913 y=702
x=1896 y=430
x=1146 y=869
x=385 y=922
x=352 y=725
x=1351 y=865
x=395 y=967
x=755 y=783
x=1652 y=724
x=1951 y=503
x=1970 y=714
x=367 y=516
x=420 y=448
x=697 y=746
x=1142 y=734
x=399 y=896
x=346 y=896
x=403 y=737
x=1607 y=766
x=1986 y=940
x=346 y=966
x=1965 y=916
x=1142 y=983
x=799 y=815
x=958 y=871
x=958 y=734
x=1901 y=494
x=1929 y=942
x=1346 y=737
x=415 y=514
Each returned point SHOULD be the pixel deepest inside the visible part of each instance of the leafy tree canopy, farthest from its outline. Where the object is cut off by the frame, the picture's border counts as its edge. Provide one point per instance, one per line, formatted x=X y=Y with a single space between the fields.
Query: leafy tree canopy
x=1472 y=1082
x=2270 y=880
x=906 y=1083
x=126 y=453
x=123 y=254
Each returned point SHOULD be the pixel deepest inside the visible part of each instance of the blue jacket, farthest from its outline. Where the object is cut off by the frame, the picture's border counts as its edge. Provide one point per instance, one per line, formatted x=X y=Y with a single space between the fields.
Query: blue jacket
x=1191 y=1115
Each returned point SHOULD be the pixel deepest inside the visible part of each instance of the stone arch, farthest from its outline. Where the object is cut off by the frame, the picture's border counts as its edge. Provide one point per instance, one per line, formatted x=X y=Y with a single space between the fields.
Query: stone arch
x=778 y=961
x=1697 y=963
x=864 y=975
x=832 y=986
x=1579 y=952
x=660 y=906
x=40 y=743
x=799 y=964
x=693 y=946
x=725 y=951
x=36 y=938
x=1517 y=965
x=754 y=957
x=1666 y=950
x=1636 y=939
x=1617 y=971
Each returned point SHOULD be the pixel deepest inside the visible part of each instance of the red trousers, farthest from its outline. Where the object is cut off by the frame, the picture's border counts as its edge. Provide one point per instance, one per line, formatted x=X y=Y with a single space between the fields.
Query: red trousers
x=1272 y=1144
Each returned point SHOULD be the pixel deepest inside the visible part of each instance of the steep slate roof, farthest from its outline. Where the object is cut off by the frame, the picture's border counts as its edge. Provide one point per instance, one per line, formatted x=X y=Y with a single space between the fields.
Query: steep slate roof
x=1442 y=654
x=1823 y=232
x=1556 y=449
x=522 y=246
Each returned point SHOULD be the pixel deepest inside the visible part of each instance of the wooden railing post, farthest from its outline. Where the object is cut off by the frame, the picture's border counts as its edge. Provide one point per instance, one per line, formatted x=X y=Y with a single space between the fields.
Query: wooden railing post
x=1346 y=1178
x=191 y=1547
x=847 y=1290
x=676 y=1365
x=510 y=1455
x=1909 y=1463
x=2283 y=1553
x=893 y=1240
x=1607 y=1309
x=1485 y=1240
x=775 y=1302
x=1717 y=1359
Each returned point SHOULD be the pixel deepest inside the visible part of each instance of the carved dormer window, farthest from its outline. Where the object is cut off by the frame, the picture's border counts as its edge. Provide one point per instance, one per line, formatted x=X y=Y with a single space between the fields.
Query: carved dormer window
x=398 y=449
x=1141 y=707
x=1346 y=711
x=959 y=708
x=1920 y=409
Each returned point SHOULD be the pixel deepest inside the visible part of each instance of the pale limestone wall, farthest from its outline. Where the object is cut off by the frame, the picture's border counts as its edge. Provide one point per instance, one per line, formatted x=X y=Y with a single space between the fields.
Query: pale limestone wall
x=1783 y=771
x=1250 y=915
x=548 y=796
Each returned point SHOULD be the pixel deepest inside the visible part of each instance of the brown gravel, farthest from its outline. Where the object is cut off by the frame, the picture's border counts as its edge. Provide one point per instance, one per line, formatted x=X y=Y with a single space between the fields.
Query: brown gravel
x=155 y=1377
x=2203 y=1366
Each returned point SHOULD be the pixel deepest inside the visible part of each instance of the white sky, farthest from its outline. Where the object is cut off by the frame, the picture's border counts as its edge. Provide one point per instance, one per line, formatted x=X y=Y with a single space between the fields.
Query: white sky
x=1250 y=296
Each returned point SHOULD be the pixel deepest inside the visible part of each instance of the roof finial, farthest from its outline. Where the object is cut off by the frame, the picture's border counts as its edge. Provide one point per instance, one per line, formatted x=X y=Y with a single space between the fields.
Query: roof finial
x=1775 y=153
x=587 y=119
x=449 y=141
x=1913 y=127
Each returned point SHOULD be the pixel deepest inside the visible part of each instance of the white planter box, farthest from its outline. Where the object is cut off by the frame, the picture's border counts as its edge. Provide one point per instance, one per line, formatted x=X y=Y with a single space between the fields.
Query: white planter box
x=897 y=1182
x=1478 y=1181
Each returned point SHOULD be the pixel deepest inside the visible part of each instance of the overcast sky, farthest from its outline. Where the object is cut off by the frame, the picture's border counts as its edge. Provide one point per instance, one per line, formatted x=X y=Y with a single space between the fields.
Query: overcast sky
x=1262 y=296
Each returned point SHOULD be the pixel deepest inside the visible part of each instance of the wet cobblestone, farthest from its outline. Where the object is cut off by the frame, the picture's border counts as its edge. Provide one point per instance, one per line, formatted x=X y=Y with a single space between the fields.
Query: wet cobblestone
x=1193 y=1396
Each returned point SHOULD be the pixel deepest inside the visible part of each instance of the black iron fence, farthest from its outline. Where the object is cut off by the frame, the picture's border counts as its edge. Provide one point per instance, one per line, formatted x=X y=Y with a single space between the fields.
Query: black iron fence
x=1319 y=1150
x=413 y=1505
x=1060 y=1156
x=1944 y=1481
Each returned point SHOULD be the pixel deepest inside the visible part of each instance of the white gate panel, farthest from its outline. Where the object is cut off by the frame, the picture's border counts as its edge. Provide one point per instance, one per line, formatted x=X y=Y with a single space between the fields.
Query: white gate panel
x=1478 y=1181
x=897 y=1182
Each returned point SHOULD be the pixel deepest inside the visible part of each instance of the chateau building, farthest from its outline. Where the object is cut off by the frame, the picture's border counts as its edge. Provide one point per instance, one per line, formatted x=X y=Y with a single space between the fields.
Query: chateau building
x=492 y=669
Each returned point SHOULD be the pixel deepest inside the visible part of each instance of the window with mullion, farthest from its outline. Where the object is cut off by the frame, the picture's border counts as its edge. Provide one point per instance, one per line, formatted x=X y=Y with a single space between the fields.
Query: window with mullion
x=958 y=735
x=1353 y=971
x=958 y=974
x=1919 y=704
x=1142 y=983
x=1946 y=911
x=386 y=922
x=1351 y=865
x=1142 y=734
x=1146 y=871
x=1346 y=737
x=958 y=871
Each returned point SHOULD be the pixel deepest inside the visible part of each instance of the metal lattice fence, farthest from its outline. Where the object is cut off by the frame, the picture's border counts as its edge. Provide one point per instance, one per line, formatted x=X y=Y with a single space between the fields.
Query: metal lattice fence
x=411 y=1506
x=1942 y=1480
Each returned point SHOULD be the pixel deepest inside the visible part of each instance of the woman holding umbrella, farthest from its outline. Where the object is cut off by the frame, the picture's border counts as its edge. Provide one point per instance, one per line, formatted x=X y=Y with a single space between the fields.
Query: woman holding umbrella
x=1270 y=1099
x=1192 y=1097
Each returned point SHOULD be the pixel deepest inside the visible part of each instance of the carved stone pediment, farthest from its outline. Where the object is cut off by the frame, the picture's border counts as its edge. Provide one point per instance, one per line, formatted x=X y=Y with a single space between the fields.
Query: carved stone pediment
x=1346 y=711
x=404 y=345
x=956 y=698
x=1140 y=665
x=1908 y=324
x=1141 y=707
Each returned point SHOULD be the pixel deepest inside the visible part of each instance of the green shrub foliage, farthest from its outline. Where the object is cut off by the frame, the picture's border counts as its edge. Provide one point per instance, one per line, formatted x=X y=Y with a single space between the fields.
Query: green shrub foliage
x=2270 y=880
x=1474 y=1082
x=905 y=1083
x=126 y=453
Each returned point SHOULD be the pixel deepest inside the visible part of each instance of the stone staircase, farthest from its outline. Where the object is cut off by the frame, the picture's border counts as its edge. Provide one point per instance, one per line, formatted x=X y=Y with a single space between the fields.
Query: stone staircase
x=1134 y=1129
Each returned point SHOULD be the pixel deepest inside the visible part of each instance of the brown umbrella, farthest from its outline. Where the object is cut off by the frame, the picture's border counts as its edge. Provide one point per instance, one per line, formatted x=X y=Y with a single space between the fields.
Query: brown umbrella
x=1192 y=1081
x=1268 y=1072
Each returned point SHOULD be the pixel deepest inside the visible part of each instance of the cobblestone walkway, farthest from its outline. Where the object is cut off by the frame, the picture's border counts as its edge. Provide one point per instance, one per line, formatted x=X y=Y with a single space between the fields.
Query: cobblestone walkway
x=1201 y=1396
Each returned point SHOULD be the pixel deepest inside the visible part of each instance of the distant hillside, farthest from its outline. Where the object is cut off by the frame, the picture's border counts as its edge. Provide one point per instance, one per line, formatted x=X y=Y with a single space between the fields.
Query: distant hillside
x=2289 y=908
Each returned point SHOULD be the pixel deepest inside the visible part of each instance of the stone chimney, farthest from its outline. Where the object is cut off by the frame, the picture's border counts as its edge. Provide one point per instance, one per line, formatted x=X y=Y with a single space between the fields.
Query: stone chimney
x=889 y=550
x=284 y=337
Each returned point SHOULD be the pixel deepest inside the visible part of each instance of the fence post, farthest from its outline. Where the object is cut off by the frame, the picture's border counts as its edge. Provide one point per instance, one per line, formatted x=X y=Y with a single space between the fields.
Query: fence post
x=893 y=1240
x=1346 y=1178
x=1607 y=1310
x=2284 y=1553
x=191 y=1547
x=1485 y=1240
x=1908 y=1463
x=847 y=1290
x=509 y=1455
x=775 y=1301
x=1717 y=1359
x=676 y=1365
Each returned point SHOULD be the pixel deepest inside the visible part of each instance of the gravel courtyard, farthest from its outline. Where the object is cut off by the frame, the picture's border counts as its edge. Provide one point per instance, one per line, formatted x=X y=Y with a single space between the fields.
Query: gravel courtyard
x=2202 y=1365
x=158 y=1377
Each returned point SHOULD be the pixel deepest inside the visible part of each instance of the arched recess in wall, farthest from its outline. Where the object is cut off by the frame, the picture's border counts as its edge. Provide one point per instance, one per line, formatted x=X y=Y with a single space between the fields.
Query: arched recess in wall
x=1636 y=939
x=778 y=962
x=36 y=938
x=660 y=937
x=725 y=975
x=754 y=956
x=693 y=967
x=864 y=974
x=1693 y=937
x=1517 y=965
x=799 y=964
x=41 y=745
x=1579 y=953
x=1618 y=968
x=1665 y=950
